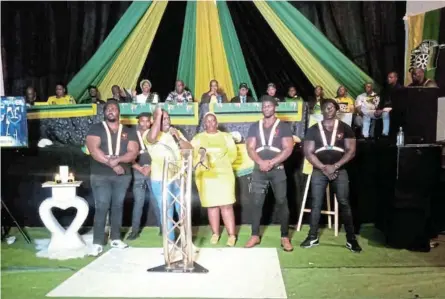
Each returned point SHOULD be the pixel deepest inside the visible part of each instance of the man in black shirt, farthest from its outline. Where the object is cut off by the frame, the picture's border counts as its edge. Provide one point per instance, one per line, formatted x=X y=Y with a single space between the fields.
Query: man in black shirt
x=141 y=172
x=269 y=144
x=328 y=146
x=113 y=148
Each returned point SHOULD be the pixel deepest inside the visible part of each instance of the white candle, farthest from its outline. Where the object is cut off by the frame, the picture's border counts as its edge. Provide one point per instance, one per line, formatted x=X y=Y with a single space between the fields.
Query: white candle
x=63 y=173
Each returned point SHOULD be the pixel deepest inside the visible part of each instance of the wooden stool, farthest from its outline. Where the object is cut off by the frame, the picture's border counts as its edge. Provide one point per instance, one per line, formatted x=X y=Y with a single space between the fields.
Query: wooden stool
x=328 y=212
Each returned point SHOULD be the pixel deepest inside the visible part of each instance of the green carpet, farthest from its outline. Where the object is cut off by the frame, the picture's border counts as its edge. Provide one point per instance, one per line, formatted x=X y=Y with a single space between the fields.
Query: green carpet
x=326 y=271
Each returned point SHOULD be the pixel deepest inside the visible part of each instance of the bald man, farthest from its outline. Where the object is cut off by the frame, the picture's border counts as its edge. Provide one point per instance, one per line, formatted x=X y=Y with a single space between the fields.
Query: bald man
x=419 y=79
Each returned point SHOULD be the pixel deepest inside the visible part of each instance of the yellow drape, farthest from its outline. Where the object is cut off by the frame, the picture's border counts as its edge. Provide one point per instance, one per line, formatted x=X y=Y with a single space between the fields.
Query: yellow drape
x=211 y=60
x=314 y=71
x=128 y=65
x=415 y=37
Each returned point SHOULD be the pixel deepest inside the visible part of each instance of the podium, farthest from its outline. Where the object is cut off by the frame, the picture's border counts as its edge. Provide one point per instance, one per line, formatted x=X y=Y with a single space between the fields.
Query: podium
x=64 y=243
x=416 y=110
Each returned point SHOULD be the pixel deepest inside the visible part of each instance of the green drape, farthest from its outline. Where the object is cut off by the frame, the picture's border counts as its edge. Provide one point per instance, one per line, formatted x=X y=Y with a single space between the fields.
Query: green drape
x=186 y=65
x=335 y=62
x=238 y=68
x=96 y=68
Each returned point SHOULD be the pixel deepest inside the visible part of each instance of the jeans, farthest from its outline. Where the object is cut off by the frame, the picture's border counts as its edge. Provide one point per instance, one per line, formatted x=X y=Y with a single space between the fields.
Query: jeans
x=156 y=187
x=142 y=198
x=108 y=191
x=259 y=185
x=367 y=123
x=340 y=186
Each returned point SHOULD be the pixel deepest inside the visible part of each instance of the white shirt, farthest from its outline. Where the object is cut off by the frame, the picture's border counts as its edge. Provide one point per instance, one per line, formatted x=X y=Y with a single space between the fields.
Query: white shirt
x=367 y=103
x=142 y=99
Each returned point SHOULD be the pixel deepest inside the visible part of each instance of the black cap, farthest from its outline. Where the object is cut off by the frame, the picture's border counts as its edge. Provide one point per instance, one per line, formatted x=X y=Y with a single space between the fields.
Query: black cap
x=268 y=98
x=271 y=85
x=144 y=114
x=243 y=85
x=326 y=101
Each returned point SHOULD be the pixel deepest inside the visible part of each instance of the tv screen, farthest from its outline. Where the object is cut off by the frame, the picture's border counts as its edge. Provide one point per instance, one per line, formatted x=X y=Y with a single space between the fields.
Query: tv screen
x=13 y=125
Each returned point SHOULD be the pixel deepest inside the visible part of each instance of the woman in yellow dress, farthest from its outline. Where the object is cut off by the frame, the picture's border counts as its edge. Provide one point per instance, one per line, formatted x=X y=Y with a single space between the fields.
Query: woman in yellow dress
x=214 y=176
x=61 y=97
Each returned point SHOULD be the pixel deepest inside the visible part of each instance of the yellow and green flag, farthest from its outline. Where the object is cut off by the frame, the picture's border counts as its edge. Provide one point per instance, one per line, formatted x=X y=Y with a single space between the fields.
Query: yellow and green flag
x=425 y=46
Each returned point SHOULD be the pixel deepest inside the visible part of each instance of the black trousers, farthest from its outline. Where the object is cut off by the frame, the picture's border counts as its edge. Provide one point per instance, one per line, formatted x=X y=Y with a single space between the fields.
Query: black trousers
x=109 y=192
x=258 y=190
x=319 y=182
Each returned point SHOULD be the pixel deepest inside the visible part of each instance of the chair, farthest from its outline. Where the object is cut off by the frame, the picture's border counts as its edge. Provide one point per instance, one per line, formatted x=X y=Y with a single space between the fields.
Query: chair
x=328 y=212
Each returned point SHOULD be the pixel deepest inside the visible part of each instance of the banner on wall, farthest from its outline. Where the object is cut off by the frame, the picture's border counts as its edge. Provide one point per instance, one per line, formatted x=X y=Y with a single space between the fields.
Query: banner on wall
x=315 y=118
x=13 y=125
x=425 y=44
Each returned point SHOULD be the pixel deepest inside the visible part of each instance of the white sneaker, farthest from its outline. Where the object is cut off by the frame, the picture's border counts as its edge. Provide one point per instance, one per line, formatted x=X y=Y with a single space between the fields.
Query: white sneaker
x=96 y=250
x=118 y=244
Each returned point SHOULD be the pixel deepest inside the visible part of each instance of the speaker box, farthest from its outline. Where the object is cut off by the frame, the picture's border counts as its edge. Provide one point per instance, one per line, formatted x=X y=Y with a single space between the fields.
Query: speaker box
x=409 y=212
x=416 y=110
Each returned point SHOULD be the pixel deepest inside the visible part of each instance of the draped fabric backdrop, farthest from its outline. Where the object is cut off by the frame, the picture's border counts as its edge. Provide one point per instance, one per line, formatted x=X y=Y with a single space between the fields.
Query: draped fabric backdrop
x=47 y=42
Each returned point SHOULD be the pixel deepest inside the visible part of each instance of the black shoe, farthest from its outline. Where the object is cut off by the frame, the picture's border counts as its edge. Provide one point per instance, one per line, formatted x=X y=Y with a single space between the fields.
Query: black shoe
x=310 y=241
x=353 y=245
x=133 y=236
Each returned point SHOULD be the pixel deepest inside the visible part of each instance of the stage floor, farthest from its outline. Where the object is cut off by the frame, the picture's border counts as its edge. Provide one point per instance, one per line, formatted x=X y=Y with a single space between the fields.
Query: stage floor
x=327 y=271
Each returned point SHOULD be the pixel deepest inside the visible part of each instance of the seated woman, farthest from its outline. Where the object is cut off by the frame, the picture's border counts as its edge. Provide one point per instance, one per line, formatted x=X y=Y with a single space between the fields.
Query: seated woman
x=146 y=96
x=61 y=97
x=315 y=101
x=344 y=101
x=214 y=95
x=292 y=95
x=214 y=176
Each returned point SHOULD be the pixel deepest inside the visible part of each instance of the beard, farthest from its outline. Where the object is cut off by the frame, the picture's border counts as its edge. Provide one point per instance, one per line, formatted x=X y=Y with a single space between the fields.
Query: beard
x=111 y=118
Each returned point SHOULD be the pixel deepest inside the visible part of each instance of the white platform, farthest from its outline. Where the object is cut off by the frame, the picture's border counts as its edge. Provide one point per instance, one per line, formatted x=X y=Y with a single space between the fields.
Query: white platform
x=233 y=273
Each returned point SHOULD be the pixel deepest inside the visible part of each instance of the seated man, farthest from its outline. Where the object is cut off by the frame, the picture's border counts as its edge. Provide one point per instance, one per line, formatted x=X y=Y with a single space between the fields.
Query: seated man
x=61 y=97
x=242 y=96
x=94 y=96
x=419 y=79
x=179 y=95
x=367 y=108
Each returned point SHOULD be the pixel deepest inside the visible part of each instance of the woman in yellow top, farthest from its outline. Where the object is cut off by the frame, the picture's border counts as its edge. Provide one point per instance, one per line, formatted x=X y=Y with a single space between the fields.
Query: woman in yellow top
x=214 y=176
x=344 y=101
x=61 y=98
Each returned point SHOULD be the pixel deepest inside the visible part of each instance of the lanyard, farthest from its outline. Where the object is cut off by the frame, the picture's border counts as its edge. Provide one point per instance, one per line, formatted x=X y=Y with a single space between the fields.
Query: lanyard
x=141 y=140
x=330 y=146
x=268 y=145
x=118 y=141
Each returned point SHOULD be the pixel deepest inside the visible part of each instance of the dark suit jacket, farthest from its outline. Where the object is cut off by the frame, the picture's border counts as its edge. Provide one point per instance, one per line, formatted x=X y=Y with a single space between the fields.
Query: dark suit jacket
x=205 y=98
x=237 y=99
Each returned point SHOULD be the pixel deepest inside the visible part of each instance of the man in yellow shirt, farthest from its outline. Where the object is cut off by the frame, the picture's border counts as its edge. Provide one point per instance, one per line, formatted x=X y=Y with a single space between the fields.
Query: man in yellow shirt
x=61 y=98
x=165 y=141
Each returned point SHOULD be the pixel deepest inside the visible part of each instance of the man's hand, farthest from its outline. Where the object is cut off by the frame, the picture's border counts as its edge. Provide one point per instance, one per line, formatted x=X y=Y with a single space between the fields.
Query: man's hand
x=113 y=162
x=333 y=176
x=330 y=172
x=157 y=113
x=265 y=165
x=119 y=170
x=145 y=170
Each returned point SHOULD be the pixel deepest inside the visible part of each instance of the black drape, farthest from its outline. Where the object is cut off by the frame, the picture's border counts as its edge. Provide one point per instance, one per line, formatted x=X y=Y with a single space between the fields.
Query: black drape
x=47 y=42
x=161 y=66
